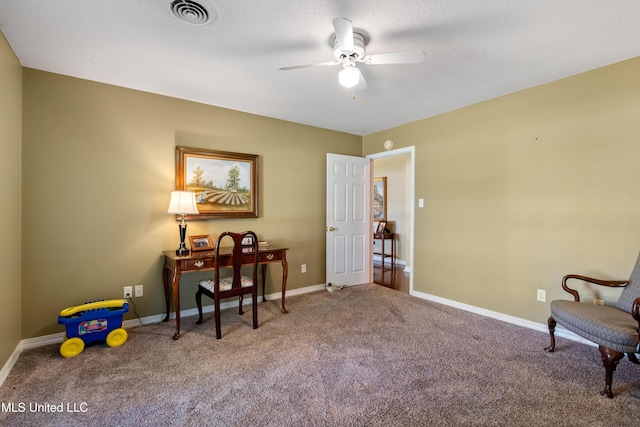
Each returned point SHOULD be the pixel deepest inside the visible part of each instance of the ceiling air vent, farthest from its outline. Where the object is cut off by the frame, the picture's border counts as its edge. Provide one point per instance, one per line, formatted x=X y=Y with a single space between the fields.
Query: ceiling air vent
x=190 y=12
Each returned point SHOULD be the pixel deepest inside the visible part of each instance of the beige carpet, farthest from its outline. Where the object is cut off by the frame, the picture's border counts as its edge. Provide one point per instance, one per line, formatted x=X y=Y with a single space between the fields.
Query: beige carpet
x=363 y=356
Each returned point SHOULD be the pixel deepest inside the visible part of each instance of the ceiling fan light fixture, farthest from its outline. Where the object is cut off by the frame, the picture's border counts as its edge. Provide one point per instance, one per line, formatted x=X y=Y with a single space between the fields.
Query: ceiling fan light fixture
x=349 y=76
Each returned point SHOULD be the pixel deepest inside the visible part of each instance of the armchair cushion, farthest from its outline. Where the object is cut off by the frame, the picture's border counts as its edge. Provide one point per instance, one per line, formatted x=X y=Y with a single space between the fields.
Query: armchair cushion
x=603 y=325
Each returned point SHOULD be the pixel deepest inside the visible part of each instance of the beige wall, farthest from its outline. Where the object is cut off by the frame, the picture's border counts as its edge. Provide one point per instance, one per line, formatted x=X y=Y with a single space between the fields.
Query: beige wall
x=98 y=169
x=523 y=189
x=10 y=194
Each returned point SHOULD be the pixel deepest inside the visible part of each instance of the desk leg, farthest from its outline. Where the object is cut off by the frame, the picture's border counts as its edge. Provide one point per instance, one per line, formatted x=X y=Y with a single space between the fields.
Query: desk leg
x=285 y=271
x=264 y=281
x=175 y=290
x=393 y=252
x=167 y=291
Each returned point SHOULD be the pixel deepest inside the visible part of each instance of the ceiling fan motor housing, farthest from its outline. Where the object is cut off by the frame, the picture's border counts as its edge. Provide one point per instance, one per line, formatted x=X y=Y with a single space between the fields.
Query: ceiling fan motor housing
x=358 y=49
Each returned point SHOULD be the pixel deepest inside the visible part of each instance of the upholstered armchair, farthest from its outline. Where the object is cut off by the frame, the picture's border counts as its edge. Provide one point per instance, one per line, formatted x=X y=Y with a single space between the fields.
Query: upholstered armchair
x=614 y=329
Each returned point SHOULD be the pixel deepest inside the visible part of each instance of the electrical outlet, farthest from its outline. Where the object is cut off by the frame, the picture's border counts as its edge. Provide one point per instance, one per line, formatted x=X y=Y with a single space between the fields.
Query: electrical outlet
x=138 y=290
x=304 y=268
x=542 y=295
x=597 y=301
x=128 y=292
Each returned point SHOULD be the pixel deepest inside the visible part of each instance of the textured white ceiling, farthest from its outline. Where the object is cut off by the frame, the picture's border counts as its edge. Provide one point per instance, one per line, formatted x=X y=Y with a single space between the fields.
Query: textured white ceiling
x=475 y=50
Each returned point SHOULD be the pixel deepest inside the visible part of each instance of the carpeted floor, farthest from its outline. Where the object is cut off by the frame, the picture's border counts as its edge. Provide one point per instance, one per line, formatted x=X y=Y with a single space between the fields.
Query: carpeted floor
x=363 y=356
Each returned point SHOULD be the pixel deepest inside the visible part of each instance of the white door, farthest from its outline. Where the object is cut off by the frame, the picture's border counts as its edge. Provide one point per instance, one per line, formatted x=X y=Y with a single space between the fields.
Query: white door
x=348 y=220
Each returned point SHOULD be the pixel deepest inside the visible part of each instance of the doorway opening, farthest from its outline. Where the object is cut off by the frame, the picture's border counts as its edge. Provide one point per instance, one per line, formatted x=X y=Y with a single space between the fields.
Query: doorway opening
x=398 y=169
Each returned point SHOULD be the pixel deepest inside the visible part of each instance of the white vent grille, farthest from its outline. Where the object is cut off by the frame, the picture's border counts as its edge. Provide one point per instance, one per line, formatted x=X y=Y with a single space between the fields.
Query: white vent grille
x=190 y=12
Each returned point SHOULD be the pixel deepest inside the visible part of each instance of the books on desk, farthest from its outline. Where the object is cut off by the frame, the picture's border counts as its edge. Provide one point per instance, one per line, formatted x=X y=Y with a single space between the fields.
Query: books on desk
x=261 y=245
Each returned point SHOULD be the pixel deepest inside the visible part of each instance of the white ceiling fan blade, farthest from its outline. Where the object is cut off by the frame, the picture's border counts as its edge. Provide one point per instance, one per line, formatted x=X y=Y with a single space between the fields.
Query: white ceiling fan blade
x=362 y=83
x=344 y=33
x=317 y=64
x=412 y=57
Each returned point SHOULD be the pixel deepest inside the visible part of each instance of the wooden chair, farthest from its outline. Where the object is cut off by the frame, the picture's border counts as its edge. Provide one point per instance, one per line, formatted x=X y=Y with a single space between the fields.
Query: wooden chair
x=616 y=329
x=237 y=285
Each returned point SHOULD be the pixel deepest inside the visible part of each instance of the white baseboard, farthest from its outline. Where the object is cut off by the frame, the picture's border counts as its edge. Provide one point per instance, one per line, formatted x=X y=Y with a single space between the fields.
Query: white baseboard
x=387 y=260
x=407 y=269
x=540 y=327
x=6 y=369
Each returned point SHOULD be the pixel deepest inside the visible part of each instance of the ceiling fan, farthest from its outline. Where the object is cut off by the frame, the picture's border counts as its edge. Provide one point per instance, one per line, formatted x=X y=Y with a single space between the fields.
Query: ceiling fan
x=349 y=49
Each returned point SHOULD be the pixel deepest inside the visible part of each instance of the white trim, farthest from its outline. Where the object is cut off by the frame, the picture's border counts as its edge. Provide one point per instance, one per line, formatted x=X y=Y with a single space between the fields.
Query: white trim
x=6 y=369
x=378 y=258
x=540 y=327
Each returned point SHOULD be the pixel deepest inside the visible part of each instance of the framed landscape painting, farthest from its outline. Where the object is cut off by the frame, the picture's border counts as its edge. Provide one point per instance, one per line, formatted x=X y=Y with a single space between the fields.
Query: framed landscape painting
x=225 y=183
x=380 y=198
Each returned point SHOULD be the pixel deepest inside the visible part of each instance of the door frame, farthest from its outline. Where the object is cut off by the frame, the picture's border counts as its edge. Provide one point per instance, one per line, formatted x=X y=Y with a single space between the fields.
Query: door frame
x=411 y=150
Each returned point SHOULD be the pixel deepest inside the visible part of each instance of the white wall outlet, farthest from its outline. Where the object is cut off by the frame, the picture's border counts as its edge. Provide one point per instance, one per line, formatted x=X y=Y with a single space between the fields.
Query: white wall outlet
x=304 y=268
x=597 y=301
x=128 y=292
x=542 y=295
x=421 y=203
x=138 y=289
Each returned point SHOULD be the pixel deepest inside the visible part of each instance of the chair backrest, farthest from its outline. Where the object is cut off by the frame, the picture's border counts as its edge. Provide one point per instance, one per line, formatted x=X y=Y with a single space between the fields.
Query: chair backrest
x=632 y=290
x=241 y=254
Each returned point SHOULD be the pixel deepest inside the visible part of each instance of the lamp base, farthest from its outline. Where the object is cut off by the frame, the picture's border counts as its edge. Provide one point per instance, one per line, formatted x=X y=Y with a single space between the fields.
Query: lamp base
x=182 y=252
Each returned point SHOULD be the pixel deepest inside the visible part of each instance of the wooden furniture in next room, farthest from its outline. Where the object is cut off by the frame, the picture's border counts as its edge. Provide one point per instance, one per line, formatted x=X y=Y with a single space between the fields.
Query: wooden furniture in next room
x=175 y=265
x=384 y=237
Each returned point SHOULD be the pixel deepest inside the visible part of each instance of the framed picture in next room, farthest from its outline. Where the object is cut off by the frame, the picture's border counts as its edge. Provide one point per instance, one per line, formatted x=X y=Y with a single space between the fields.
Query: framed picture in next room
x=380 y=198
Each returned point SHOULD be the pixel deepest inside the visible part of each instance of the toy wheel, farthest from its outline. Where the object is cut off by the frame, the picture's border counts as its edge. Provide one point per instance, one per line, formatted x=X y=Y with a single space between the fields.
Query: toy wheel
x=117 y=337
x=72 y=347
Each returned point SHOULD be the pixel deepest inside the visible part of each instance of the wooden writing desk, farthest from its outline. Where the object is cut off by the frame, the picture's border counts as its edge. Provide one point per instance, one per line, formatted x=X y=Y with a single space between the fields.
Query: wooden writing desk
x=175 y=265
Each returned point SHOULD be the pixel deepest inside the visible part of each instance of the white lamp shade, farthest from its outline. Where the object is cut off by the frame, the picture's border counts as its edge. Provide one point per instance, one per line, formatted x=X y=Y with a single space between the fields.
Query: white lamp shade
x=349 y=76
x=183 y=203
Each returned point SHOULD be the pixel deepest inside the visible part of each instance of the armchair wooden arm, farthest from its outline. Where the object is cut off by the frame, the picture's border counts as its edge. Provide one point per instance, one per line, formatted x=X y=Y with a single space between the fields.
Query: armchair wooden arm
x=609 y=283
x=635 y=311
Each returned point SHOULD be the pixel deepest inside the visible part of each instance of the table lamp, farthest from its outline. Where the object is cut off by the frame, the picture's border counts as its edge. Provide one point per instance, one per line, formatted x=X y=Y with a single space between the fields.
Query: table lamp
x=183 y=203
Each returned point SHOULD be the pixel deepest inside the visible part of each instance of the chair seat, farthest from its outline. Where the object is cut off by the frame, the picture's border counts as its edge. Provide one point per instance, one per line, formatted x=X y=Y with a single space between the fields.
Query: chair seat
x=603 y=325
x=225 y=284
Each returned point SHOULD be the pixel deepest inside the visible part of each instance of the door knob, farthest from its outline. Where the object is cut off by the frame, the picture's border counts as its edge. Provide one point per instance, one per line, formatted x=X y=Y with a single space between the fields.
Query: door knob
x=331 y=229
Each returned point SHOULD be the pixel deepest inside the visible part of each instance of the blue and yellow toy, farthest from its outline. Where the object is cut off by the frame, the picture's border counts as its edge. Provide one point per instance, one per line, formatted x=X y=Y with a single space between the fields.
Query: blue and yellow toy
x=94 y=321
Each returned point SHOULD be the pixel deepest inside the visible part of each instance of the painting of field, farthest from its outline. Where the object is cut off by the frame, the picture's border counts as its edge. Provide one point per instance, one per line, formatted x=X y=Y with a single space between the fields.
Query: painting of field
x=219 y=184
x=225 y=183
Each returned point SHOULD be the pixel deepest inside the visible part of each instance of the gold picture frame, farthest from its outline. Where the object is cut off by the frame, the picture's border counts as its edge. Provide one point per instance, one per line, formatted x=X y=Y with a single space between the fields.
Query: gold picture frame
x=201 y=242
x=225 y=183
x=379 y=201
